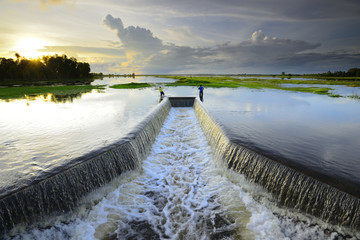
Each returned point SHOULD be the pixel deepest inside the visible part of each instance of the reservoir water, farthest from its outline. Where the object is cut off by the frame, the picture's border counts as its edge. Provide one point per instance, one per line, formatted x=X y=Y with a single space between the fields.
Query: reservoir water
x=316 y=134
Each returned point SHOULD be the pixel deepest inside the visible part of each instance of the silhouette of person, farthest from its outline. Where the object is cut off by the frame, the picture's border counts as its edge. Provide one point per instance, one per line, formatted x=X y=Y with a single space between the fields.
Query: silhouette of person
x=201 y=92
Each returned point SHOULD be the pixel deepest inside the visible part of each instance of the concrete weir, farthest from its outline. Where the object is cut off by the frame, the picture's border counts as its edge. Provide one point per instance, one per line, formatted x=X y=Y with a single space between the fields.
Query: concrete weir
x=63 y=191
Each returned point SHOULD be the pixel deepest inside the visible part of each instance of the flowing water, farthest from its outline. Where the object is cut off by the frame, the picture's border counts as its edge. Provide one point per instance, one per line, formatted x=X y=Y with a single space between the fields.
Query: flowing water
x=182 y=192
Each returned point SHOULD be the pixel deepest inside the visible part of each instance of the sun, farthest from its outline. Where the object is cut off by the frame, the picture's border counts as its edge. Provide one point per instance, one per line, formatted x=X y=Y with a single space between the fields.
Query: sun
x=31 y=47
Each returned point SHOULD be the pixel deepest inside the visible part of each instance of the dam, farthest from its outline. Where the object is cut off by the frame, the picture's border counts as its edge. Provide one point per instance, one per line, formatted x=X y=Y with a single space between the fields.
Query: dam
x=179 y=199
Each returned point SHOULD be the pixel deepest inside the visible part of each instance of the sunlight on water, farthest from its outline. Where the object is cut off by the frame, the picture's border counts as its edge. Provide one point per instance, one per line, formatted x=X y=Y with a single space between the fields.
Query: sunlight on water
x=181 y=193
x=40 y=133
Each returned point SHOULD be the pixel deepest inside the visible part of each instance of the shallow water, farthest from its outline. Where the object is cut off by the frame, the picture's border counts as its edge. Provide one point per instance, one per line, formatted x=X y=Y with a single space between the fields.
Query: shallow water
x=181 y=192
x=39 y=135
x=316 y=133
x=341 y=90
x=139 y=79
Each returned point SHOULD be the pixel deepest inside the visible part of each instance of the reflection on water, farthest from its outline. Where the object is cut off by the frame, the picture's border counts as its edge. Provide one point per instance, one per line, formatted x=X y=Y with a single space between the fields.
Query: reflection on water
x=54 y=98
x=41 y=133
x=66 y=95
x=341 y=90
x=316 y=133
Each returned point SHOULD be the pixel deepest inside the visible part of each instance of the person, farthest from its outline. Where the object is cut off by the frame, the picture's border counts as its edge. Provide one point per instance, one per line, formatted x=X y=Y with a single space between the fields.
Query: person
x=161 y=92
x=201 y=92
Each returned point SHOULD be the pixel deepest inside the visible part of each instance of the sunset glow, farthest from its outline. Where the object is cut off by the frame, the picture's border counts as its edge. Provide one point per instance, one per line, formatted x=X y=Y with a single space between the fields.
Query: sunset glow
x=31 y=47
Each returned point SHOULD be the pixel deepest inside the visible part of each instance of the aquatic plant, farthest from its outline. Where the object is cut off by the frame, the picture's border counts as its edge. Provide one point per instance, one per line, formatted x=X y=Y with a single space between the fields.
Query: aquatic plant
x=131 y=85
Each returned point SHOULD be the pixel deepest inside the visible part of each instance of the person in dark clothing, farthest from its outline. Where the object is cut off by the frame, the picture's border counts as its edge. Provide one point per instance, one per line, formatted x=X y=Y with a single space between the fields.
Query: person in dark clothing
x=201 y=92
x=161 y=92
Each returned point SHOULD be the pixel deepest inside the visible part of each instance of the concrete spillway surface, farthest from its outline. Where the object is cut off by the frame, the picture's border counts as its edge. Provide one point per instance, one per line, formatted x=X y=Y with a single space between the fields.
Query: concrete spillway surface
x=180 y=192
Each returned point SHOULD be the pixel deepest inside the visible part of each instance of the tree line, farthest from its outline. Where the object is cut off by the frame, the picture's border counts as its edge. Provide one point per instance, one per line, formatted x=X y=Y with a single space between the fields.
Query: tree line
x=352 y=72
x=47 y=68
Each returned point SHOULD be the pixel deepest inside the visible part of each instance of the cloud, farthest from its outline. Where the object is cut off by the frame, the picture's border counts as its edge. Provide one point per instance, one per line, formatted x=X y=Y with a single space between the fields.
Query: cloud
x=135 y=39
x=76 y=50
x=258 y=52
x=303 y=10
x=52 y=2
x=183 y=35
x=46 y=3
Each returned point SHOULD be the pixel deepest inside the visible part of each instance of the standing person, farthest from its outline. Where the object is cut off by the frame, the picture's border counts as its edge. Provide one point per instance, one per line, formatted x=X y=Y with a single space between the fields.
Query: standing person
x=161 y=92
x=201 y=92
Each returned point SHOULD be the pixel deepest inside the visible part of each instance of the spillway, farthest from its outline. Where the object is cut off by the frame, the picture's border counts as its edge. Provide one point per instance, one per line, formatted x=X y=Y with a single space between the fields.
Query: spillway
x=177 y=190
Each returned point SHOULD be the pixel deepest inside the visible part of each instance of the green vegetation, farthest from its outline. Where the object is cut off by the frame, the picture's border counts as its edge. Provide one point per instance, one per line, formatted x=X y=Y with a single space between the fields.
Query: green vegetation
x=352 y=72
x=131 y=85
x=47 y=70
x=255 y=83
x=355 y=96
x=58 y=91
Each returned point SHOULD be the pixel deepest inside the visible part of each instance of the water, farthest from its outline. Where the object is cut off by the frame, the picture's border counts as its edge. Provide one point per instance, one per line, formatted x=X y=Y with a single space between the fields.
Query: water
x=315 y=133
x=337 y=89
x=181 y=192
x=40 y=135
x=138 y=79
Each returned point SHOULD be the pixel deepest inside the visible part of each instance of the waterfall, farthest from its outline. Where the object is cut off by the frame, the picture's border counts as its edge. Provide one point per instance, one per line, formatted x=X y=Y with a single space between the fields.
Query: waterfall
x=290 y=188
x=62 y=192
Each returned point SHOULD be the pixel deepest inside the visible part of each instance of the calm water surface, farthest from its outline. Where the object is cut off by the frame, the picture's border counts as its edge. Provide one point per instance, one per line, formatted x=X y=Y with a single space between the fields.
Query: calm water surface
x=317 y=133
x=38 y=136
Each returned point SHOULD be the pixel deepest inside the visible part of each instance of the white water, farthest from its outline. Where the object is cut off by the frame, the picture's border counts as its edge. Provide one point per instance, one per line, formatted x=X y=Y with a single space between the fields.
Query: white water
x=181 y=193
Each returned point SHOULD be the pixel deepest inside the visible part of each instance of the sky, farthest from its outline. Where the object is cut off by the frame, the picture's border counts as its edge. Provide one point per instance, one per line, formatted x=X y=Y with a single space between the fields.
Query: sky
x=187 y=36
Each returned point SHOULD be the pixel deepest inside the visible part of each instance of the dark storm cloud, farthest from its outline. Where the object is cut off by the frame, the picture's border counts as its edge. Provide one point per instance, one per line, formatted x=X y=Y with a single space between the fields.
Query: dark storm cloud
x=258 y=52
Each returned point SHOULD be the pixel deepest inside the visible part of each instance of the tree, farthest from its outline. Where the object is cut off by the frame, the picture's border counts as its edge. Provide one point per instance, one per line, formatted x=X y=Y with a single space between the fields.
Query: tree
x=50 y=68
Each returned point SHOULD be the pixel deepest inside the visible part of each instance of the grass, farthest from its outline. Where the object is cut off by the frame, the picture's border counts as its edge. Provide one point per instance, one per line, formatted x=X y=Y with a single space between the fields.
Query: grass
x=131 y=85
x=355 y=96
x=21 y=92
x=253 y=83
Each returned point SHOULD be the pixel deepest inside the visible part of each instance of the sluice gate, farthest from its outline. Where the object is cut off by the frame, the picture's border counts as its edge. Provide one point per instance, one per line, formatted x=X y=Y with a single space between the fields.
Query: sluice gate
x=63 y=191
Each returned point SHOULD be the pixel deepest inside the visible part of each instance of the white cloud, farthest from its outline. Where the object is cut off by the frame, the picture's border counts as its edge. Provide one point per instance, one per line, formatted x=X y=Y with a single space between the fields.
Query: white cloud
x=133 y=38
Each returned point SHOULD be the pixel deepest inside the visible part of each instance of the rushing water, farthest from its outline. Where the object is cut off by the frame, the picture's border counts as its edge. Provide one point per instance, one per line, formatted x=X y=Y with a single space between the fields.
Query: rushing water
x=181 y=192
